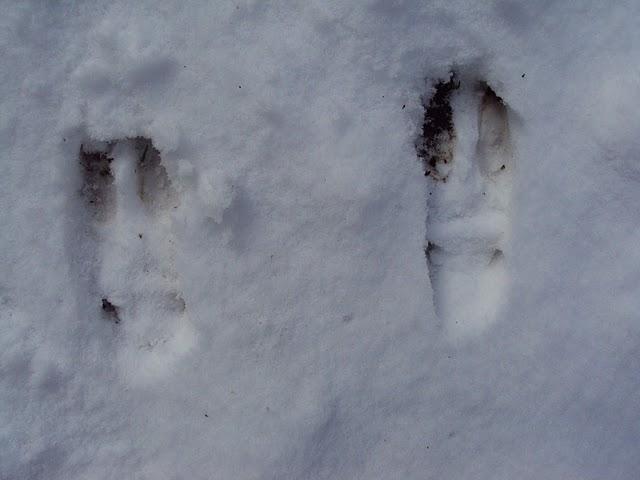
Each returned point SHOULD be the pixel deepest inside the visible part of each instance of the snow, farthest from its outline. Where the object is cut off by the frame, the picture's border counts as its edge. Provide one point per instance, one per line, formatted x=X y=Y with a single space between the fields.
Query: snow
x=275 y=315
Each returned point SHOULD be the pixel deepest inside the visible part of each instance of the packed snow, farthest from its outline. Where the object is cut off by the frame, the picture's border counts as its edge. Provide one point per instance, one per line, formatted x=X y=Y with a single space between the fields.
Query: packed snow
x=229 y=251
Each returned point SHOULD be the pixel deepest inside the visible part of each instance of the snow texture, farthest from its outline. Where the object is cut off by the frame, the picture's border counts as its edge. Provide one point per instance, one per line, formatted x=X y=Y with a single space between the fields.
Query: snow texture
x=214 y=232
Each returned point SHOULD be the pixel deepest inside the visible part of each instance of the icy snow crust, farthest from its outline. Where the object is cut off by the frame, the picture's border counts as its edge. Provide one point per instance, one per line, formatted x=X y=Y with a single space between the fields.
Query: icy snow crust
x=272 y=314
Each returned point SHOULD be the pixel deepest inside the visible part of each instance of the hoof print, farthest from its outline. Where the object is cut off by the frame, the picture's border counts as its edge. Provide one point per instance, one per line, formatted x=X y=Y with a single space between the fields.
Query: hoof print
x=129 y=193
x=466 y=149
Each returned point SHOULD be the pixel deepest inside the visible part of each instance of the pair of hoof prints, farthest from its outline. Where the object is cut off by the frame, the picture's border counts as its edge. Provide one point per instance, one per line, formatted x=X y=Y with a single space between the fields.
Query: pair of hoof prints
x=467 y=153
x=468 y=158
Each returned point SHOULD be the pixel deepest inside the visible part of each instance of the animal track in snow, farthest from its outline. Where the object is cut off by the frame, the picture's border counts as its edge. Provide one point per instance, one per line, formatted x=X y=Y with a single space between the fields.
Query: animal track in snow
x=131 y=199
x=468 y=159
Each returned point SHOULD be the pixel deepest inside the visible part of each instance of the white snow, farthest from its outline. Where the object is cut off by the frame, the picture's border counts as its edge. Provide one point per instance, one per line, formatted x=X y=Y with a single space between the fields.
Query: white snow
x=276 y=313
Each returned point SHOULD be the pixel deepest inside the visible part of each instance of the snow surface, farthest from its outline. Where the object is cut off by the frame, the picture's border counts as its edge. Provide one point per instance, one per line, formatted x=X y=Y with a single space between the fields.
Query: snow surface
x=274 y=311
